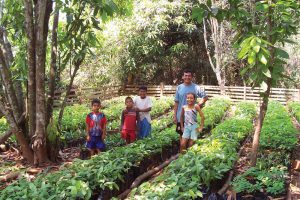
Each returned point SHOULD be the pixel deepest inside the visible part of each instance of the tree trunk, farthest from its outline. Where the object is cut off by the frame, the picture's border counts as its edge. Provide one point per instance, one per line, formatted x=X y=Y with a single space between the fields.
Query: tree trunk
x=9 y=87
x=61 y=112
x=31 y=93
x=264 y=105
x=25 y=149
x=53 y=67
x=261 y=117
x=221 y=82
x=216 y=65
x=53 y=143
x=39 y=140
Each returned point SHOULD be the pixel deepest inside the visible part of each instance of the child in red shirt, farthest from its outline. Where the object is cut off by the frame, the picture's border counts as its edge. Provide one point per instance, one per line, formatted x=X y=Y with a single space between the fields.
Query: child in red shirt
x=129 y=121
x=95 y=128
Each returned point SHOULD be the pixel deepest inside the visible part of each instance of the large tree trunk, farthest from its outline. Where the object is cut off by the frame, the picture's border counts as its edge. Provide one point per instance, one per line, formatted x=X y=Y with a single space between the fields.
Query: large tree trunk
x=31 y=93
x=53 y=67
x=53 y=143
x=39 y=143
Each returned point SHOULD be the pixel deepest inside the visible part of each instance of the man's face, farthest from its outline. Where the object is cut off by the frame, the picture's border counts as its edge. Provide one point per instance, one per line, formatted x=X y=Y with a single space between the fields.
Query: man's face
x=142 y=93
x=96 y=107
x=187 y=77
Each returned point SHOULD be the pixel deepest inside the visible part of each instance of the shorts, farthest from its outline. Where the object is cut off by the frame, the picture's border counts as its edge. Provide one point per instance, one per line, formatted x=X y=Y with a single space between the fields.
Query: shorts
x=128 y=135
x=178 y=129
x=95 y=142
x=145 y=129
x=190 y=132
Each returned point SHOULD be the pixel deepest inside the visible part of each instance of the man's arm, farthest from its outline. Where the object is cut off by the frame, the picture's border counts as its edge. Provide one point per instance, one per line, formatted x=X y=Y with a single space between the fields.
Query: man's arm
x=181 y=119
x=202 y=101
x=175 y=111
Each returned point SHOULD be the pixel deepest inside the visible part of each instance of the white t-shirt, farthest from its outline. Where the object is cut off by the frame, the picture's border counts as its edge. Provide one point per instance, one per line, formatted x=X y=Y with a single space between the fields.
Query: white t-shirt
x=143 y=104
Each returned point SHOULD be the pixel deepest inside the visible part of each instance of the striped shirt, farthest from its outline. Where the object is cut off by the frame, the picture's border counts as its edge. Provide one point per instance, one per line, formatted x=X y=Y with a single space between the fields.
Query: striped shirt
x=190 y=115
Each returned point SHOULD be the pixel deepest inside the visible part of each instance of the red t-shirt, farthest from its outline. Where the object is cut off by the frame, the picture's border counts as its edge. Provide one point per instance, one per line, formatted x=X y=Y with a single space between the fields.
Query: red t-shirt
x=95 y=122
x=129 y=118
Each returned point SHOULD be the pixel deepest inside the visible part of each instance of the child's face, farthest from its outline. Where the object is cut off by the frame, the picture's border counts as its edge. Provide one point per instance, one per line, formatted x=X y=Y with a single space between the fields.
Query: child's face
x=129 y=103
x=142 y=93
x=96 y=107
x=190 y=99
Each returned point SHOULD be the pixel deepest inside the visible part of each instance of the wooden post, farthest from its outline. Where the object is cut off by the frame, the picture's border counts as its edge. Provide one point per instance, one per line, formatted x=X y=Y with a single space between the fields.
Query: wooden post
x=161 y=89
x=244 y=92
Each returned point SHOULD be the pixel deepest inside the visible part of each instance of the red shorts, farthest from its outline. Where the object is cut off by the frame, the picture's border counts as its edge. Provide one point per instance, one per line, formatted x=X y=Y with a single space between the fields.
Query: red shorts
x=128 y=135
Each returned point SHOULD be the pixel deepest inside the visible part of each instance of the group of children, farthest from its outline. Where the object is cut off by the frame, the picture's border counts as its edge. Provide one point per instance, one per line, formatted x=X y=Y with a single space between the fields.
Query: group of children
x=136 y=121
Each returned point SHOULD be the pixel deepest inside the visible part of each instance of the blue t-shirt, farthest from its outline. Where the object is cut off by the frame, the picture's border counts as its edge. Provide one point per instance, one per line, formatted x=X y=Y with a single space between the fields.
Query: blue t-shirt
x=181 y=92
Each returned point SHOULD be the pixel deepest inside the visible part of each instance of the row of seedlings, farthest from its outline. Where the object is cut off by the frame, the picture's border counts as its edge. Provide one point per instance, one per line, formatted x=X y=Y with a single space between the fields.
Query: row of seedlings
x=73 y=122
x=294 y=108
x=278 y=138
x=213 y=112
x=107 y=174
x=208 y=160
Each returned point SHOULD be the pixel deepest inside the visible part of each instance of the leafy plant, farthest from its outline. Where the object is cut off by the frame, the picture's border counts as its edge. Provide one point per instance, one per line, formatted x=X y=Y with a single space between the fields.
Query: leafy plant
x=207 y=160
x=294 y=108
x=271 y=181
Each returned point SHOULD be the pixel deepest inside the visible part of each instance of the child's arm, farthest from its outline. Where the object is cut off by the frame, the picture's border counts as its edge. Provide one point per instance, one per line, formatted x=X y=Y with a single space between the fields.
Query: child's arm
x=104 y=128
x=137 y=119
x=104 y=131
x=87 y=128
x=122 y=120
x=181 y=119
x=202 y=117
x=87 y=132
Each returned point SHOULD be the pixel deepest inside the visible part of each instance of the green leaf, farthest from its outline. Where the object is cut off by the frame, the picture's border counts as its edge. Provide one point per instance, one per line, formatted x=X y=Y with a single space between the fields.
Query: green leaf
x=253 y=42
x=244 y=71
x=198 y=14
x=252 y=58
x=262 y=6
x=262 y=58
x=267 y=73
x=264 y=86
x=244 y=51
x=281 y=53
x=256 y=48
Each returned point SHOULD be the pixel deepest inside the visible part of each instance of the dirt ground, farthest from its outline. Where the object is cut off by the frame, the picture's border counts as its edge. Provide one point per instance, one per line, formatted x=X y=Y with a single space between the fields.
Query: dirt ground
x=13 y=166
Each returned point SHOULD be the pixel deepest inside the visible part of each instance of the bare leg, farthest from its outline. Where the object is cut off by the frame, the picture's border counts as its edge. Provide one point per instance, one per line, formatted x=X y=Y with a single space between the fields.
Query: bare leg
x=183 y=142
x=97 y=151
x=91 y=151
x=191 y=143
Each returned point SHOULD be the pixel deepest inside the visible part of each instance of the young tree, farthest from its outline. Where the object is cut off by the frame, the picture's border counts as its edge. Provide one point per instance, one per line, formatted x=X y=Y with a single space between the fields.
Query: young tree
x=275 y=21
x=218 y=40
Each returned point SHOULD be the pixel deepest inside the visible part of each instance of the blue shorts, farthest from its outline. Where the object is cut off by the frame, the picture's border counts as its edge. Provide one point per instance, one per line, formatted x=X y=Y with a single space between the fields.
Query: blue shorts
x=190 y=132
x=95 y=143
x=144 y=129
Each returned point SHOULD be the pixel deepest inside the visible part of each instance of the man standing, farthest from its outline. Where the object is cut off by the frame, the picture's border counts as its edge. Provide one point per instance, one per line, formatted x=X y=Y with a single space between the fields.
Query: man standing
x=180 y=97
